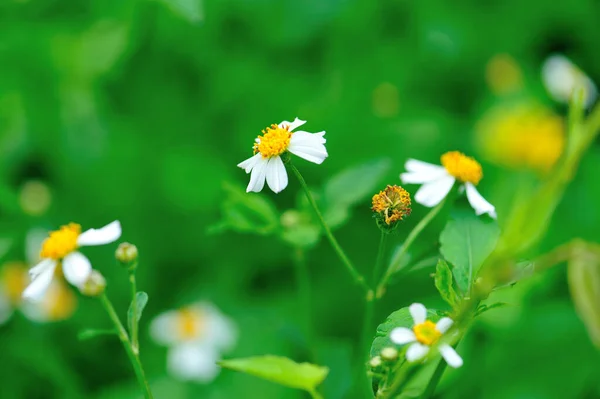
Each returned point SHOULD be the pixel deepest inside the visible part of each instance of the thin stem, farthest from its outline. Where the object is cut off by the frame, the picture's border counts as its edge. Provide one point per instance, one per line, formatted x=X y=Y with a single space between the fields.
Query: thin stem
x=134 y=326
x=303 y=282
x=407 y=243
x=358 y=278
x=380 y=255
x=436 y=377
x=315 y=395
x=133 y=357
x=365 y=347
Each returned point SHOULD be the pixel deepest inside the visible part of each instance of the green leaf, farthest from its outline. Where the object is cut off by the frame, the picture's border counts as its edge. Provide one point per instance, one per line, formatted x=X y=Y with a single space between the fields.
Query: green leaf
x=399 y=318
x=445 y=284
x=93 y=333
x=190 y=10
x=583 y=275
x=484 y=308
x=280 y=370
x=465 y=243
x=134 y=314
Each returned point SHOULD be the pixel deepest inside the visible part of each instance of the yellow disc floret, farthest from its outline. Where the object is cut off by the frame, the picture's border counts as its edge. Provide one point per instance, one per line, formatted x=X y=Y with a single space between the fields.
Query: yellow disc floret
x=274 y=141
x=464 y=168
x=393 y=204
x=191 y=324
x=426 y=333
x=61 y=242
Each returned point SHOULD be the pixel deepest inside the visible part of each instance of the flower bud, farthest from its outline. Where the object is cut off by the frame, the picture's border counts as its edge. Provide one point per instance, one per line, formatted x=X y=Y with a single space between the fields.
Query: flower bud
x=95 y=284
x=389 y=354
x=391 y=206
x=375 y=362
x=127 y=254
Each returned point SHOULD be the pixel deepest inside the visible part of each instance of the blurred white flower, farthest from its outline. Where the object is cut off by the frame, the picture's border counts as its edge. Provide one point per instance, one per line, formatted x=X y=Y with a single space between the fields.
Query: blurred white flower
x=196 y=336
x=423 y=335
x=561 y=77
x=61 y=248
x=437 y=181
x=266 y=164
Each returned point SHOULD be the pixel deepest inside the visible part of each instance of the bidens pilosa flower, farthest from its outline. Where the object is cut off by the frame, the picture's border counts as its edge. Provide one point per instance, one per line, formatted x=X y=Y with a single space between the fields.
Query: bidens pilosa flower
x=61 y=249
x=437 y=181
x=196 y=336
x=423 y=335
x=391 y=206
x=277 y=140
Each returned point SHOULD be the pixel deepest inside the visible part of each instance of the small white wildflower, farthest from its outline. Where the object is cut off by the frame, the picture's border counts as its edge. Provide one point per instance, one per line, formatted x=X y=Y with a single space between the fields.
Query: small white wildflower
x=561 y=77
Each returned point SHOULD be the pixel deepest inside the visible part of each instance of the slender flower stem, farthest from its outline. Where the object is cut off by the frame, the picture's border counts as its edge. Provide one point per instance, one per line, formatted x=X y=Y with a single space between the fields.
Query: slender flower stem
x=393 y=268
x=436 y=377
x=379 y=260
x=133 y=357
x=134 y=326
x=358 y=278
x=303 y=282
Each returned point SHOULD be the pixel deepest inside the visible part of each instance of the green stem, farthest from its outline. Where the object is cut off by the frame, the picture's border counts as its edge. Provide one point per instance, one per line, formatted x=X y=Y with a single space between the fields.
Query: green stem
x=303 y=282
x=436 y=377
x=358 y=278
x=379 y=260
x=315 y=395
x=394 y=265
x=134 y=326
x=133 y=357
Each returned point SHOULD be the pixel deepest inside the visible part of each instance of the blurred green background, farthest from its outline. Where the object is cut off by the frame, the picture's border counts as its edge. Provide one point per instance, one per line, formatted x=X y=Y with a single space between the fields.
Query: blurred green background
x=141 y=110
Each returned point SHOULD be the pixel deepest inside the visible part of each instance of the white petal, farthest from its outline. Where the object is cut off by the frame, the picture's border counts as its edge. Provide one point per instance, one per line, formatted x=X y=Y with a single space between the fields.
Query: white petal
x=249 y=163
x=257 y=178
x=432 y=193
x=292 y=125
x=561 y=77
x=416 y=166
x=40 y=267
x=221 y=332
x=190 y=361
x=104 y=235
x=416 y=351
x=449 y=354
x=423 y=177
x=76 y=268
x=418 y=311
x=402 y=335
x=444 y=324
x=277 y=178
x=309 y=146
x=43 y=277
x=479 y=203
x=164 y=329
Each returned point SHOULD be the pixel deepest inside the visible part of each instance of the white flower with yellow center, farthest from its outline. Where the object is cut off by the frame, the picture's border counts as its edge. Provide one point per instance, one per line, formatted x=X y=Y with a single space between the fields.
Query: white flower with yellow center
x=561 y=77
x=266 y=164
x=61 y=248
x=437 y=181
x=423 y=335
x=196 y=337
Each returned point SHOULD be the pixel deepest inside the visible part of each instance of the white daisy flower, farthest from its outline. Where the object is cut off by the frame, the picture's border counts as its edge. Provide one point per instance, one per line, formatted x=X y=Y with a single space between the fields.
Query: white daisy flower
x=423 y=335
x=196 y=337
x=561 y=77
x=275 y=141
x=437 y=181
x=61 y=248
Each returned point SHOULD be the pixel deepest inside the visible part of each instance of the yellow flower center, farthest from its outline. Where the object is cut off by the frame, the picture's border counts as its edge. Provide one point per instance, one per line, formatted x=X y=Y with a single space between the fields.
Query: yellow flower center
x=464 y=168
x=191 y=324
x=274 y=141
x=426 y=333
x=61 y=242
x=393 y=204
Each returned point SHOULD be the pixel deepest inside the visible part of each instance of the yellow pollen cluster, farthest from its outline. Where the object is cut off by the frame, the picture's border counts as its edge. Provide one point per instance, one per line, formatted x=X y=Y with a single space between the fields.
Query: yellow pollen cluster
x=464 y=168
x=274 y=141
x=191 y=324
x=61 y=242
x=426 y=333
x=393 y=204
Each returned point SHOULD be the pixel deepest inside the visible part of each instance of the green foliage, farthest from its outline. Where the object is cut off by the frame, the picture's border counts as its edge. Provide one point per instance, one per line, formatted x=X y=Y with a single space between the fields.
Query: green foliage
x=93 y=333
x=484 y=308
x=583 y=273
x=280 y=370
x=445 y=283
x=134 y=313
x=465 y=242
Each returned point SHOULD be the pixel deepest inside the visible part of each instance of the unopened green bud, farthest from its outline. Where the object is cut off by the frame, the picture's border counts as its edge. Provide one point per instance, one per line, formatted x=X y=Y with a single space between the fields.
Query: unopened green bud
x=375 y=362
x=95 y=284
x=389 y=354
x=127 y=254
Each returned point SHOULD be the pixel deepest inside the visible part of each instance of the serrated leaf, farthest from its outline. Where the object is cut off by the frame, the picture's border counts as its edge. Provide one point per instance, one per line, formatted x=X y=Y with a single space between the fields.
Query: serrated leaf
x=280 y=370
x=134 y=314
x=445 y=283
x=399 y=318
x=93 y=333
x=466 y=242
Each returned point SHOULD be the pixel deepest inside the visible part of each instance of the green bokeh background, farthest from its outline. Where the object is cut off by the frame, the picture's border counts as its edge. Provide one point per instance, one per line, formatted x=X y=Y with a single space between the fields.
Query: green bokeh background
x=140 y=111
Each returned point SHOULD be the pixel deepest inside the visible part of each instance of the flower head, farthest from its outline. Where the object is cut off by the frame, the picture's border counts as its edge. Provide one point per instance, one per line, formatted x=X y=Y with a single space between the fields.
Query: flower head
x=437 y=181
x=423 y=334
x=275 y=141
x=196 y=335
x=561 y=77
x=391 y=205
x=61 y=248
